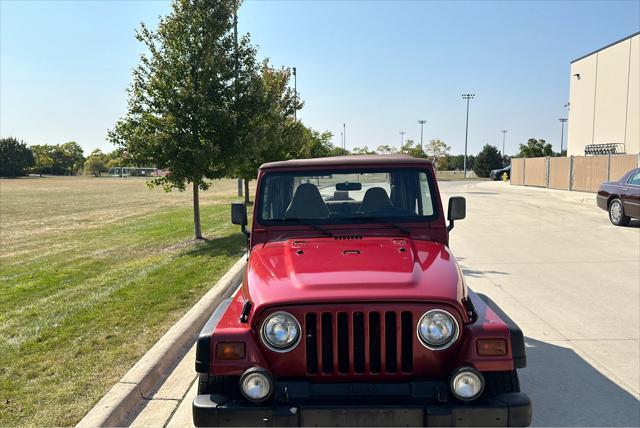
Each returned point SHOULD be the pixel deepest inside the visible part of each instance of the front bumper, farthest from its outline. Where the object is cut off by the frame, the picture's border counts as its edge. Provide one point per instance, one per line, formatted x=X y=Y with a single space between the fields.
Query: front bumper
x=512 y=409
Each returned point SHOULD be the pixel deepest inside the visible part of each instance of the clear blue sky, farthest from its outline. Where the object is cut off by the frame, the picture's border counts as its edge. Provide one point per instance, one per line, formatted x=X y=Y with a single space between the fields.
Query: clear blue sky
x=378 y=66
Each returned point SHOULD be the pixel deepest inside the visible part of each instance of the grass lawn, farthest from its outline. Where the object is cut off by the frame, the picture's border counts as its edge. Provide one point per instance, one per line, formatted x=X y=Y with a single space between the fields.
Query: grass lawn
x=92 y=272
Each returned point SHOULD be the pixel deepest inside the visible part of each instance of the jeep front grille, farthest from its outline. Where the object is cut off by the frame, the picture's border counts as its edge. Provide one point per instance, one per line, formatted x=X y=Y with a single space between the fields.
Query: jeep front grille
x=359 y=342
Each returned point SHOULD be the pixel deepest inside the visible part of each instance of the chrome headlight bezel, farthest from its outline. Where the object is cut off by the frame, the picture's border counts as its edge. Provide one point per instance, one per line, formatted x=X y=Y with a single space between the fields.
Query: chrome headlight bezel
x=273 y=347
x=449 y=342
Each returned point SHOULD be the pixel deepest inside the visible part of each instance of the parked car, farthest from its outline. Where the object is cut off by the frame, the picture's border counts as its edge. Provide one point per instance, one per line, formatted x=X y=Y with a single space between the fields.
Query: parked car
x=496 y=174
x=621 y=198
x=353 y=310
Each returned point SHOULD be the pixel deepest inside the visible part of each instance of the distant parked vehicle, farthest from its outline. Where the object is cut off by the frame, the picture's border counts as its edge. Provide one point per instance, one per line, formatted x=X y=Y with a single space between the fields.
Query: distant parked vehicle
x=496 y=174
x=621 y=198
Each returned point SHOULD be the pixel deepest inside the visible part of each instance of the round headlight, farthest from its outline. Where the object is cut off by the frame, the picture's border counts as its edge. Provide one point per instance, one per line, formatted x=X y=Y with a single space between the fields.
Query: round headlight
x=437 y=329
x=256 y=384
x=281 y=332
x=467 y=384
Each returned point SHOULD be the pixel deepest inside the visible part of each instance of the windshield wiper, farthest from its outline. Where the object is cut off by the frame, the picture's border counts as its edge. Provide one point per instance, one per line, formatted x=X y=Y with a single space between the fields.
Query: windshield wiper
x=309 y=223
x=387 y=222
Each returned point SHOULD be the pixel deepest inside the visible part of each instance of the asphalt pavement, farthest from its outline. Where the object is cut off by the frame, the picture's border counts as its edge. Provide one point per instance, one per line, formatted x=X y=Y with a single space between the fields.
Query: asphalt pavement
x=557 y=267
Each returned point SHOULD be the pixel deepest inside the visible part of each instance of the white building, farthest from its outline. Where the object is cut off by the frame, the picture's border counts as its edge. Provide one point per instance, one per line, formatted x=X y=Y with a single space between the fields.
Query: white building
x=604 y=99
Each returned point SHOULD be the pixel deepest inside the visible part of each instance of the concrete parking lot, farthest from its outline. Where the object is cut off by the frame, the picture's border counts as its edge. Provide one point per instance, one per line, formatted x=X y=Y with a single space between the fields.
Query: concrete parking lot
x=569 y=278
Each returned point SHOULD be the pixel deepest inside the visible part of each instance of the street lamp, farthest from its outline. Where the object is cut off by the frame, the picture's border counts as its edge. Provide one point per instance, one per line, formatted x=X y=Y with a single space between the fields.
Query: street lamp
x=401 y=138
x=563 y=121
x=504 y=135
x=295 y=95
x=344 y=136
x=466 y=132
x=421 y=122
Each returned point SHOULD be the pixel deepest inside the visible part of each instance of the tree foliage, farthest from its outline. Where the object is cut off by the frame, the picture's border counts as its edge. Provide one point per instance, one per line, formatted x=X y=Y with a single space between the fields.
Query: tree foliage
x=96 y=163
x=58 y=159
x=191 y=97
x=15 y=157
x=535 y=148
x=412 y=148
x=435 y=150
x=488 y=159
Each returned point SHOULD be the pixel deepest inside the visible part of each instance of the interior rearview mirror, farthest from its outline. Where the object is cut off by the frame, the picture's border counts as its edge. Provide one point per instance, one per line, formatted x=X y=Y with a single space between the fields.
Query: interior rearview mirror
x=457 y=210
x=346 y=186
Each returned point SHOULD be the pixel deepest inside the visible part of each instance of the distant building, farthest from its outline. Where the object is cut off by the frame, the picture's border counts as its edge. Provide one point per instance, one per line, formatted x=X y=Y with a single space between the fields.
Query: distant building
x=604 y=100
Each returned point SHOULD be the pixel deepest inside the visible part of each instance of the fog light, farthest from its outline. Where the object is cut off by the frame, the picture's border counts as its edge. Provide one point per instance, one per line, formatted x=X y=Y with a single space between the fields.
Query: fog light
x=467 y=384
x=256 y=384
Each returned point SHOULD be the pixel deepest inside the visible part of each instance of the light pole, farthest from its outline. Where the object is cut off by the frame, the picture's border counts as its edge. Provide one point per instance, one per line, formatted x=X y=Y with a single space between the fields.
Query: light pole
x=504 y=135
x=421 y=122
x=295 y=94
x=466 y=132
x=344 y=136
x=401 y=138
x=563 y=121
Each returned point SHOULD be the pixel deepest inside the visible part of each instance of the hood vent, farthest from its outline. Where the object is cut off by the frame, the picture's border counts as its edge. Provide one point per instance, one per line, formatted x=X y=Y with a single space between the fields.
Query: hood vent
x=347 y=237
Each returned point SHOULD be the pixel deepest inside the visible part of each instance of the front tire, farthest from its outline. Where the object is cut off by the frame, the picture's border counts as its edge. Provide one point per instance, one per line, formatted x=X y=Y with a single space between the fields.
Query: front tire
x=616 y=213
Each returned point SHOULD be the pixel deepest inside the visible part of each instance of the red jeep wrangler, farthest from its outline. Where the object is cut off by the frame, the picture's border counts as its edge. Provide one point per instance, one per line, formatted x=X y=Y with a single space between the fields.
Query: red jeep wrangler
x=353 y=311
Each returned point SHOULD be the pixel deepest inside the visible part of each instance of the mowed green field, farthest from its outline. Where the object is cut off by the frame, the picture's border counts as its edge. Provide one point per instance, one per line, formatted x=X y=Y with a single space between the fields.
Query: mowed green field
x=92 y=272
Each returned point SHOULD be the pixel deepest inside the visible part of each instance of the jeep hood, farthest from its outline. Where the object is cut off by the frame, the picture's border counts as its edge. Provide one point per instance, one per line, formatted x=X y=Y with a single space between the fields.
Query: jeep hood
x=376 y=269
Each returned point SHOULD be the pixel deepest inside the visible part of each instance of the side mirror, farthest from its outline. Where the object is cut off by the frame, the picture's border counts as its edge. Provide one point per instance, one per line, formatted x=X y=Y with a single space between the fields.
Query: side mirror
x=239 y=216
x=239 y=213
x=457 y=210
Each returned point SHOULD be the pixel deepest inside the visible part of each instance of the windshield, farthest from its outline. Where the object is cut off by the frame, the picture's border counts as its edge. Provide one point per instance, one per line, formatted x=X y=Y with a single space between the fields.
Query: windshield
x=346 y=196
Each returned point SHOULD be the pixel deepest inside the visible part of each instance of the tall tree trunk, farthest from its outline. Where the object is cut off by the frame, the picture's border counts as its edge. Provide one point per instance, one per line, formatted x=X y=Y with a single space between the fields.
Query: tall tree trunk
x=196 y=211
x=247 y=200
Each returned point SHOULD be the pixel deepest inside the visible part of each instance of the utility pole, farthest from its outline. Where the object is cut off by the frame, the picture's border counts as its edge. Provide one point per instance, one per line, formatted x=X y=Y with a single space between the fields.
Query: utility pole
x=563 y=121
x=401 y=138
x=466 y=132
x=344 y=138
x=504 y=135
x=421 y=122
x=295 y=96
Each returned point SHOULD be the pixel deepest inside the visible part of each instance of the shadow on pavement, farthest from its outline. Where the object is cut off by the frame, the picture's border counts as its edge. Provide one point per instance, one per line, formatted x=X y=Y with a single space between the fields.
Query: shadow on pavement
x=568 y=391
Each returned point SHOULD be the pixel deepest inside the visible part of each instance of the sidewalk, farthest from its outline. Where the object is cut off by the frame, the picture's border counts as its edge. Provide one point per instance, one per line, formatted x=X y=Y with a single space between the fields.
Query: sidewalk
x=170 y=406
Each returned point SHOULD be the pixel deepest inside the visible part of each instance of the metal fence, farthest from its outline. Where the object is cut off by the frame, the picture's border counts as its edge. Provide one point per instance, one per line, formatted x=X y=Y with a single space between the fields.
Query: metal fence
x=581 y=173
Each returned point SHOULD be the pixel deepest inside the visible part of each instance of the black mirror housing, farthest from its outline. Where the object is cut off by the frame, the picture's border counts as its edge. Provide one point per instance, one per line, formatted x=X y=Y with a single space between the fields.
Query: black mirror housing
x=239 y=213
x=457 y=210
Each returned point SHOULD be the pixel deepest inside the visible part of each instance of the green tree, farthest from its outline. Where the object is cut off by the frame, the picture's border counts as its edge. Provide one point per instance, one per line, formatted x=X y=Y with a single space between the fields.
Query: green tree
x=412 y=148
x=489 y=158
x=535 y=148
x=72 y=157
x=188 y=98
x=435 y=150
x=96 y=163
x=15 y=157
x=270 y=131
x=386 y=149
x=43 y=155
x=362 y=151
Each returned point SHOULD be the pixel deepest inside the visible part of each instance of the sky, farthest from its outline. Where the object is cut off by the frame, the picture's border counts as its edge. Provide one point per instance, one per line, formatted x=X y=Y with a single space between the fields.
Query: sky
x=377 y=66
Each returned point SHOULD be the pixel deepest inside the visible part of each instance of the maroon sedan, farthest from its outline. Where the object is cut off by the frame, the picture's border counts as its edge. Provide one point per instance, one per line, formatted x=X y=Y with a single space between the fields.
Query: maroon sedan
x=621 y=198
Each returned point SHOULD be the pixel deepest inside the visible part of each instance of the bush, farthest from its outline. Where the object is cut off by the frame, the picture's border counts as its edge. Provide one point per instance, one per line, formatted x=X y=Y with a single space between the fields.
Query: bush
x=489 y=158
x=15 y=157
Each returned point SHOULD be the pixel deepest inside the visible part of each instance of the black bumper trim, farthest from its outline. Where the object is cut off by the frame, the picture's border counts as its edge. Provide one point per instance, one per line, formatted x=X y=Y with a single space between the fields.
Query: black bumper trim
x=517 y=338
x=203 y=344
x=512 y=409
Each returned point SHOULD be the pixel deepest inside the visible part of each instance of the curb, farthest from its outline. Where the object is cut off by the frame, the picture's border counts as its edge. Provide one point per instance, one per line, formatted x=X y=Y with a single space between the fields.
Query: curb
x=120 y=403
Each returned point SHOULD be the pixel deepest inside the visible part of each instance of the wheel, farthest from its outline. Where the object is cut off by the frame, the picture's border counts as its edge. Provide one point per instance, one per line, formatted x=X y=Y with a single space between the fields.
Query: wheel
x=219 y=385
x=616 y=213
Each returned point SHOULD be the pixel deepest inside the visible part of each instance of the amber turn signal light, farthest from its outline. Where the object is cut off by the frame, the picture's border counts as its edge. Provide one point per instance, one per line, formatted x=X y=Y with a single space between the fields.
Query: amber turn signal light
x=487 y=347
x=230 y=351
